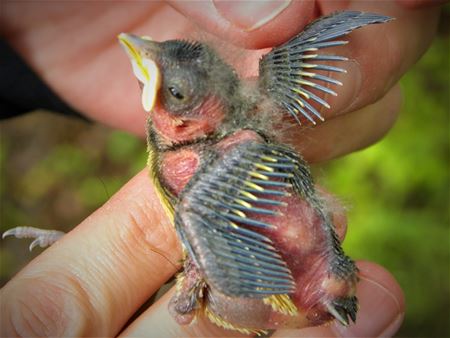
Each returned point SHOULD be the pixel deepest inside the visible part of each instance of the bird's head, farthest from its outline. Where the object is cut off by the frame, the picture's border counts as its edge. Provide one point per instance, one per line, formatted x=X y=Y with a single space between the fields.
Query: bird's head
x=188 y=89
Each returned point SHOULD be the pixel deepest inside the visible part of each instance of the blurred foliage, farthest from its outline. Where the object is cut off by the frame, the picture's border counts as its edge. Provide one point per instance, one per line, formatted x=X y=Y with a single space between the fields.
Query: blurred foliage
x=397 y=191
x=69 y=169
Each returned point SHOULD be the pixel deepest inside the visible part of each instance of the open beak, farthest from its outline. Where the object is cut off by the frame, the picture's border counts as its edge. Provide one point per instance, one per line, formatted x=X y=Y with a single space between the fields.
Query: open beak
x=139 y=49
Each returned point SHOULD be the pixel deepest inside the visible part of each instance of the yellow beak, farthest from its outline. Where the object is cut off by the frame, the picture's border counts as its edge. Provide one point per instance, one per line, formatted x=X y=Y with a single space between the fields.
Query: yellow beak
x=144 y=68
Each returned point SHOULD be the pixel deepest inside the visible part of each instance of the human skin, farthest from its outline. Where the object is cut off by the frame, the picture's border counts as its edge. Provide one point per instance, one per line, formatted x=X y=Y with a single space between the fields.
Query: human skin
x=93 y=279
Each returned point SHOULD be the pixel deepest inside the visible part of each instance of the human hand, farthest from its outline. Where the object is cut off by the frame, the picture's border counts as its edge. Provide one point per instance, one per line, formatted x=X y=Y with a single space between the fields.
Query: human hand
x=78 y=56
x=91 y=281
x=320 y=156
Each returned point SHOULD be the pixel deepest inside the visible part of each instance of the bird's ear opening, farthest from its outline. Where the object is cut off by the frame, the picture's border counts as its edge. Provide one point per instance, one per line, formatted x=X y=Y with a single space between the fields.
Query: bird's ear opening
x=145 y=69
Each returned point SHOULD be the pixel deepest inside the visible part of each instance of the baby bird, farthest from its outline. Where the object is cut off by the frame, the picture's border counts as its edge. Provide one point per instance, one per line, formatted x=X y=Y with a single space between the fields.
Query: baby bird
x=261 y=251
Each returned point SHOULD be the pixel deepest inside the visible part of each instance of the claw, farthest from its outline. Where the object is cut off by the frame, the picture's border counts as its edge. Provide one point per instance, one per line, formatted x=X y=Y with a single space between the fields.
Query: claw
x=343 y=308
x=42 y=237
x=35 y=243
x=10 y=232
x=338 y=314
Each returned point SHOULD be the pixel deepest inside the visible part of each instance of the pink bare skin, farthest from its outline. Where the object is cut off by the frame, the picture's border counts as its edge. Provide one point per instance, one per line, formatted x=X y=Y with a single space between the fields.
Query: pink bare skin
x=173 y=129
x=68 y=290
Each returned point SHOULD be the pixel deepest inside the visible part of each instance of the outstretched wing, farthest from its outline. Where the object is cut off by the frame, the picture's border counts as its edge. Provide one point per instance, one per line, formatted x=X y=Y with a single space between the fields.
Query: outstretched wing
x=226 y=210
x=289 y=71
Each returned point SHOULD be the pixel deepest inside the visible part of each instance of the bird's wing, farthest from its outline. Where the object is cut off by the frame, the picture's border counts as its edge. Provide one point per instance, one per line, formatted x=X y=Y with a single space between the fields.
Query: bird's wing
x=225 y=211
x=288 y=73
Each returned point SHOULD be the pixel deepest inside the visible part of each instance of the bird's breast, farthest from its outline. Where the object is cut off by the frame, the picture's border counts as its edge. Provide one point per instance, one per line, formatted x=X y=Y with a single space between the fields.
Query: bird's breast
x=180 y=165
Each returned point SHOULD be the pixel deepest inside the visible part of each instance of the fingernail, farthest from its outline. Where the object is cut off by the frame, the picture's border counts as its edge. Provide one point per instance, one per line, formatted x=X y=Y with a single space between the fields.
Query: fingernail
x=250 y=15
x=379 y=314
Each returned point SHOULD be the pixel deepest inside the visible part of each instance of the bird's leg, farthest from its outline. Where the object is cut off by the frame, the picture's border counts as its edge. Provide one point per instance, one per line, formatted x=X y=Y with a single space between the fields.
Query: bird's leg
x=42 y=237
x=189 y=295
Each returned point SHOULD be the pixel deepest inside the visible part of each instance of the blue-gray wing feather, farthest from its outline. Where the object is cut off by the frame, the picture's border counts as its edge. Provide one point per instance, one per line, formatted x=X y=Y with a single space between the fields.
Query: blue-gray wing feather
x=289 y=72
x=218 y=218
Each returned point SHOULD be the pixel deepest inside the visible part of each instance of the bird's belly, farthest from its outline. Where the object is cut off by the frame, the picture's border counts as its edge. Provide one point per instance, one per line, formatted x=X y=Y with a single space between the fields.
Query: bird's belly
x=303 y=242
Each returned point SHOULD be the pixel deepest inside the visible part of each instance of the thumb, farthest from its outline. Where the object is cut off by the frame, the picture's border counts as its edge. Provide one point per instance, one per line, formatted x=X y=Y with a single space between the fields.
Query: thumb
x=250 y=24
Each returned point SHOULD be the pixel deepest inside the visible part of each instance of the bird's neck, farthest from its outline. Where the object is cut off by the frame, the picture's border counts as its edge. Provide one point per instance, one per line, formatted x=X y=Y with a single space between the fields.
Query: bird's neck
x=171 y=130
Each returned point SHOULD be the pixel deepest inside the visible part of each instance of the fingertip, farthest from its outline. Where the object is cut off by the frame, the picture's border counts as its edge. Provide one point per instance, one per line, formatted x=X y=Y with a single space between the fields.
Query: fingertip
x=250 y=24
x=160 y=322
x=382 y=304
x=377 y=273
x=414 y=4
x=323 y=331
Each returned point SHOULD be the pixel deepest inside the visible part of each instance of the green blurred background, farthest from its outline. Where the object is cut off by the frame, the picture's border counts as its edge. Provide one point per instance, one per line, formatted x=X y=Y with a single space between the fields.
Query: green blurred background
x=56 y=170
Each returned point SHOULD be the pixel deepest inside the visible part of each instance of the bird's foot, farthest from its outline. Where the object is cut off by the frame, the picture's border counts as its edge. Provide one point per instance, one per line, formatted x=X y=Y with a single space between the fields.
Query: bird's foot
x=344 y=309
x=42 y=237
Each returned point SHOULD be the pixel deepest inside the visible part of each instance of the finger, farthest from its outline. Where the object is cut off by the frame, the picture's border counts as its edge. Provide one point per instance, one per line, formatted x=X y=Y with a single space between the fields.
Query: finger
x=349 y=132
x=381 y=312
x=90 y=71
x=379 y=54
x=381 y=308
x=421 y=3
x=160 y=323
x=251 y=24
x=94 y=278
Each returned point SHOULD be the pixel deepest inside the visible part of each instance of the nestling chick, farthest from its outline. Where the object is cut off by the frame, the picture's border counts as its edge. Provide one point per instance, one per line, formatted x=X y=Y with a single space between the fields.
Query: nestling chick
x=261 y=251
